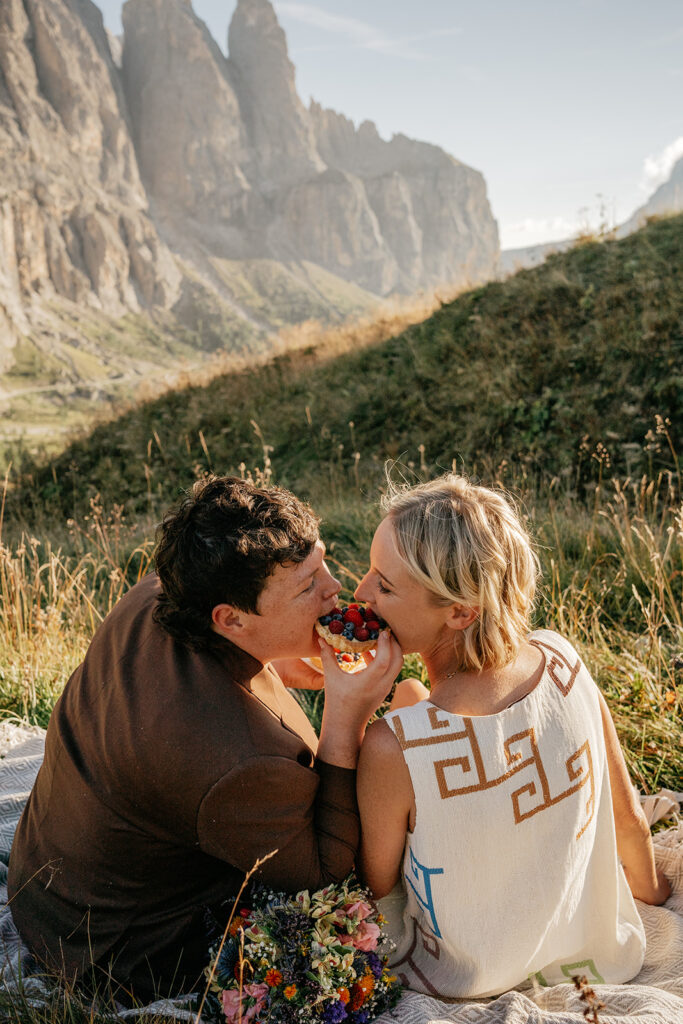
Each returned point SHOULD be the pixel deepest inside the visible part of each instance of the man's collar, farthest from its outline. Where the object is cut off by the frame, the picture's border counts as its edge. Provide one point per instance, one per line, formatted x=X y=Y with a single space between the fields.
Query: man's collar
x=241 y=665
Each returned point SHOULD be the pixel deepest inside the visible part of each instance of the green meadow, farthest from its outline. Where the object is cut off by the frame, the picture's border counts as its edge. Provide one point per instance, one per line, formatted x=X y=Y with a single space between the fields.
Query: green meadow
x=562 y=384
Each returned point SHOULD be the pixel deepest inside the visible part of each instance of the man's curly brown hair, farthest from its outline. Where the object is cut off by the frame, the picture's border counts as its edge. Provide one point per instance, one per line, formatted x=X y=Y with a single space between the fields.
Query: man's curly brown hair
x=219 y=545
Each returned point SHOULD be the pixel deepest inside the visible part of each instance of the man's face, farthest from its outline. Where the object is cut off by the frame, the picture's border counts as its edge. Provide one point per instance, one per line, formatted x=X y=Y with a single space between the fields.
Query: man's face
x=292 y=599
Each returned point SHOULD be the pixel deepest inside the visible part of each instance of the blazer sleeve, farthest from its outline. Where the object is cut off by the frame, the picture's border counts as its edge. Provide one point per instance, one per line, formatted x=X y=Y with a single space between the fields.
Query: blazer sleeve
x=308 y=815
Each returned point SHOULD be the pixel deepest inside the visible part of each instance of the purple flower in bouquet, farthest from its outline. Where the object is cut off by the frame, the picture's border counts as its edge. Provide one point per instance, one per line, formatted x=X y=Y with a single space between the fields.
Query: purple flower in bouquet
x=334 y=1013
x=375 y=965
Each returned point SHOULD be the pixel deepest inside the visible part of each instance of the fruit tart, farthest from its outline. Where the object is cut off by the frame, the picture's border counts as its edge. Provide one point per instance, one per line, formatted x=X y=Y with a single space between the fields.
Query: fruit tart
x=347 y=662
x=351 y=629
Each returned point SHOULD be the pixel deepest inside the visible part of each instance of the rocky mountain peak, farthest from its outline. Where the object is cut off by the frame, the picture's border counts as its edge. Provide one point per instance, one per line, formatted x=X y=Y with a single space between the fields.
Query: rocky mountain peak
x=185 y=113
x=259 y=16
x=276 y=120
x=139 y=180
x=665 y=200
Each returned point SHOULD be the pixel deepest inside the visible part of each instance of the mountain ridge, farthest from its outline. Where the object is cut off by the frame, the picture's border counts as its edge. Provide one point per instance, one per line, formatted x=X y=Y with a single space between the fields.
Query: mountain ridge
x=556 y=371
x=134 y=187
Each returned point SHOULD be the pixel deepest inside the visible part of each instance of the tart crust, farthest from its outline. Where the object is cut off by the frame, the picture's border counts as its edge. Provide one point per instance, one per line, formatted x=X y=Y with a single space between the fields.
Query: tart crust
x=340 y=643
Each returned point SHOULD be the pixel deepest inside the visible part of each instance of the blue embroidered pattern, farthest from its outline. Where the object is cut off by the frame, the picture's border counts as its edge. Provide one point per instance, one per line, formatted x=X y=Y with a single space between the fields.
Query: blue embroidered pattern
x=423 y=894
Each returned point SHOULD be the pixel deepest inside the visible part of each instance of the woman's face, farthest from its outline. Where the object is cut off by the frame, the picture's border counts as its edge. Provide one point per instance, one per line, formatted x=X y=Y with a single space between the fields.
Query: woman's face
x=416 y=620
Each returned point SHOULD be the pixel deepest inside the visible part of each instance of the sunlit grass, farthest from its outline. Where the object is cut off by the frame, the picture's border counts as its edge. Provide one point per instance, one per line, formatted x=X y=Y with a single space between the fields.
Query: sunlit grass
x=612 y=583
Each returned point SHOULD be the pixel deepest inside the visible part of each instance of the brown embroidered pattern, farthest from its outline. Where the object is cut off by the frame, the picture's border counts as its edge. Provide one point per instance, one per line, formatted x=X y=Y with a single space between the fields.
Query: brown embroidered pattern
x=521 y=752
x=431 y=946
x=559 y=666
x=426 y=741
x=579 y=774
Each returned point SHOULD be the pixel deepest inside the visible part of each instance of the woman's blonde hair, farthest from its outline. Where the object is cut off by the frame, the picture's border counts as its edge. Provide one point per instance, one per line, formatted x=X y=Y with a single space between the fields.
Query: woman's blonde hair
x=466 y=545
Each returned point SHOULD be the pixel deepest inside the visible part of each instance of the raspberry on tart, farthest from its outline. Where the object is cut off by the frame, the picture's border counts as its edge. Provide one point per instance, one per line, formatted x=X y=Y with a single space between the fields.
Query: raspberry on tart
x=351 y=629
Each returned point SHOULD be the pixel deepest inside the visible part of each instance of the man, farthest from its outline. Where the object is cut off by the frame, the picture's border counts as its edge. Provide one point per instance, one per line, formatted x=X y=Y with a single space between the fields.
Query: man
x=176 y=757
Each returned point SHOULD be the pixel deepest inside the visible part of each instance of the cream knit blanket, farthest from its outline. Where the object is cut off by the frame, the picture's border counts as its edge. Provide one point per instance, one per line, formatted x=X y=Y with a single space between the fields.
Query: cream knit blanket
x=655 y=996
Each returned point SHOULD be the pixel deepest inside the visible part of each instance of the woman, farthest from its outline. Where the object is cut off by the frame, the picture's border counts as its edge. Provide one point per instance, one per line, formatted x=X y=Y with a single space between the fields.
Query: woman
x=501 y=797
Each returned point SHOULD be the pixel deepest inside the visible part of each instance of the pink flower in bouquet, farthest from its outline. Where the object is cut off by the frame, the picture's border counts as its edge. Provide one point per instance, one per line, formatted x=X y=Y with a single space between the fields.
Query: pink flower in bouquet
x=366 y=936
x=259 y=993
x=233 y=1006
x=359 y=910
x=232 y=1003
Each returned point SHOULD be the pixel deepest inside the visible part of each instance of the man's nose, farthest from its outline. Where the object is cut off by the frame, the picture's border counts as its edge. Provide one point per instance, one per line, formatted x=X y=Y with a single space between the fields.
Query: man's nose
x=361 y=591
x=333 y=584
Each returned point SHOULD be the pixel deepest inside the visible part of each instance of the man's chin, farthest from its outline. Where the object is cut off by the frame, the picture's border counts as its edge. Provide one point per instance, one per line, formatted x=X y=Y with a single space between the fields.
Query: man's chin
x=309 y=647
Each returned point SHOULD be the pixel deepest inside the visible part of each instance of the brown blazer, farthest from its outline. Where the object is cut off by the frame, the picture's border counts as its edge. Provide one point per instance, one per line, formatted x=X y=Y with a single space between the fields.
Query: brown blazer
x=167 y=772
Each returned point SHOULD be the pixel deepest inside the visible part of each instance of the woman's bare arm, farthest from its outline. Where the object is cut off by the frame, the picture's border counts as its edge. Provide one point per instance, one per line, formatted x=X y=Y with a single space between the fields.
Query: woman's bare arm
x=385 y=801
x=634 y=842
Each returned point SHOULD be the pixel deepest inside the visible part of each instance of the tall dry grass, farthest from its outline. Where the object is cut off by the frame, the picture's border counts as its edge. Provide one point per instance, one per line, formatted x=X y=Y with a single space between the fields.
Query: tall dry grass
x=612 y=583
x=52 y=603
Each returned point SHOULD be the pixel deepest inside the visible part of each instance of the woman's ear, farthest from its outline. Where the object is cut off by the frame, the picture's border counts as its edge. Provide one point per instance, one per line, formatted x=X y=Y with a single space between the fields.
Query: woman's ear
x=461 y=616
x=226 y=620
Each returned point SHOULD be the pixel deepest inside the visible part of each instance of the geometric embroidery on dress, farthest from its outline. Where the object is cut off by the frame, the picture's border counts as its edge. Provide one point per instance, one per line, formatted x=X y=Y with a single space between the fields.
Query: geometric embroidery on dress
x=430 y=946
x=423 y=888
x=425 y=741
x=569 y=969
x=579 y=767
x=559 y=663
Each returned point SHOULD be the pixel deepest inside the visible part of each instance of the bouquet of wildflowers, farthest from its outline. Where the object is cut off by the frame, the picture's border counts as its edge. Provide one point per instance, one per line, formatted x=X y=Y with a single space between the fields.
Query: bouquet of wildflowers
x=315 y=958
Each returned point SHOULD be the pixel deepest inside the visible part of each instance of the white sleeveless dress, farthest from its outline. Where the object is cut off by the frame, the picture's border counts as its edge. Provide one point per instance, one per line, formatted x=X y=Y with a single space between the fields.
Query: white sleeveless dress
x=512 y=868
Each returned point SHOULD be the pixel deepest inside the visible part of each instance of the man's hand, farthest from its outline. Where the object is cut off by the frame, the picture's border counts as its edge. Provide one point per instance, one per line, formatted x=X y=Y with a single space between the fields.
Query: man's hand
x=296 y=674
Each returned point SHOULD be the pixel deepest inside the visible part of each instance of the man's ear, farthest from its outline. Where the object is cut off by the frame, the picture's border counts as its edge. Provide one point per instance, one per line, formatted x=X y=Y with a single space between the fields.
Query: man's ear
x=226 y=620
x=461 y=616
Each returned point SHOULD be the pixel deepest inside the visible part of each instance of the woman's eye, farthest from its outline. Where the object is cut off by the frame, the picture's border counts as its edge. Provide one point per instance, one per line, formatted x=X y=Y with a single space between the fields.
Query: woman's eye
x=382 y=589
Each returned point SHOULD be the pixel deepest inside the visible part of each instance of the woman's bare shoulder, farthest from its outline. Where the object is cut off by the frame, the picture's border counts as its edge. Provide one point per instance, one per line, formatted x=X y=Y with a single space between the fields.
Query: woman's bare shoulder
x=380 y=742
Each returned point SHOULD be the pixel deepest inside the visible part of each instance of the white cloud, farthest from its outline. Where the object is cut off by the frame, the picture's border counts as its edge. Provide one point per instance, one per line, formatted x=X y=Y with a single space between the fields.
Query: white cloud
x=536 y=230
x=657 y=168
x=361 y=33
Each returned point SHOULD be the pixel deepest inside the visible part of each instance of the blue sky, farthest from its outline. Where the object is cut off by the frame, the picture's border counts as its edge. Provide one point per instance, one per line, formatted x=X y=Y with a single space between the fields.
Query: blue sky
x=570 y=108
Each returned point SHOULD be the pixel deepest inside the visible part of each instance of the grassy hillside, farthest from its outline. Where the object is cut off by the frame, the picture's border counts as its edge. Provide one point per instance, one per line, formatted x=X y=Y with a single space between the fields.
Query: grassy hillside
x=84 y=364
x=563 y=383
x=560 y=370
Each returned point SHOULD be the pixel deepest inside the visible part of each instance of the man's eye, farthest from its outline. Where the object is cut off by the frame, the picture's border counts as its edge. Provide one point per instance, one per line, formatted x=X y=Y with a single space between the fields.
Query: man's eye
x=310 y=586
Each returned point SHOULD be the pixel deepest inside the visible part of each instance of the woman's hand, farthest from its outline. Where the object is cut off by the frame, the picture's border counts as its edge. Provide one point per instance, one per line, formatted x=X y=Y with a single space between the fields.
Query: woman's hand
x=644 y=890
x=351 y=698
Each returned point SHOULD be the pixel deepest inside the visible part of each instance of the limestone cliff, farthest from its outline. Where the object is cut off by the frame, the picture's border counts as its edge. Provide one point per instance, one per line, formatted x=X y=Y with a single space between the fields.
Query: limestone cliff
x=73 y=211
x=432 y=209
x=143 y=177
x=282 y=182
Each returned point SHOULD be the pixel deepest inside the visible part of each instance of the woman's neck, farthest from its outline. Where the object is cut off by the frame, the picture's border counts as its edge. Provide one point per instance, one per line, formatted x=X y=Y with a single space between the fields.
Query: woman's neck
x=485 y=692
